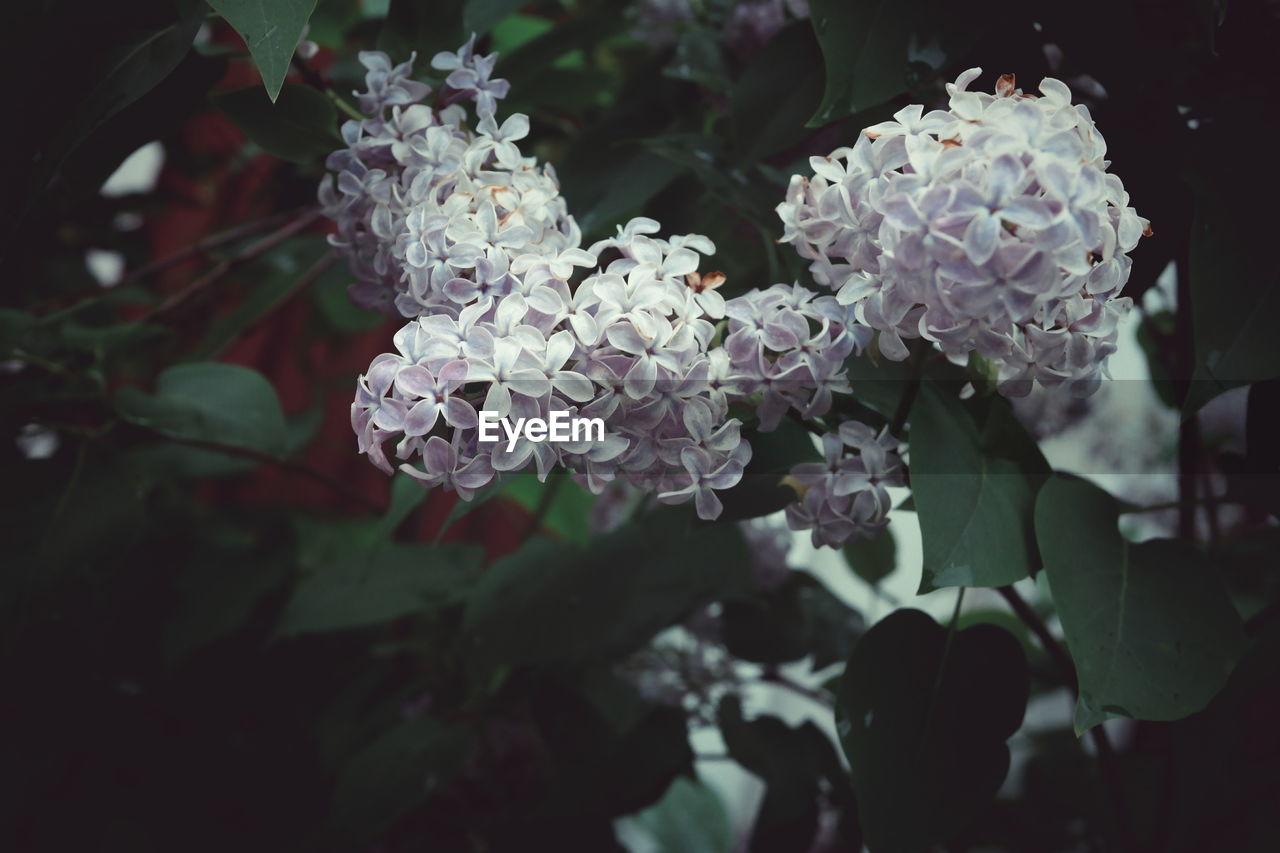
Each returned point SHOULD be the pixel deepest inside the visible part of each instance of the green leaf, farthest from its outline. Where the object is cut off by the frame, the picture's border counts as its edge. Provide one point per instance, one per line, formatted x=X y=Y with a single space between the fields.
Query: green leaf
x=974 y=483
x=218 y=590
x=923 y=721
x=791 y=762
x=875 y=50
x=130 y=70
x=428 y=28
x=463 y=508
x=698 y=59
x=609 y=194
x=588 y=25
x=874 y=559
x=271 y=282
x=336 y=308
x=688 y=819
x=568 y=515
x=776 y=93
x=299 y=125
x=553 y=602
x=480 y=16
x=397 y=772
x=1151 y=630
x=208 y=401
x=1235 y=289
x=800 y=618
x=378 y=585
x=773 y=454
x=271 y=29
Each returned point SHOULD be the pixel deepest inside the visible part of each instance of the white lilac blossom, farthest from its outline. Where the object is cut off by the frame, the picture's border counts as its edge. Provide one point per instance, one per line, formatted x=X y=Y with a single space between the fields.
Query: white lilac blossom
x=455 y=230
x=845 y=497
x=992 y=227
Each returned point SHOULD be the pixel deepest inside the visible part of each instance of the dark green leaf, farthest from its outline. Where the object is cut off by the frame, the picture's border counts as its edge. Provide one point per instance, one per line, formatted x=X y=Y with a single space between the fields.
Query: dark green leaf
x=335 y=306
x=974 y=484
x=1151 y=630
x=207 y=401
x=568 y=515
x=924 y=721
x=800 y=618
x=790 y=762
x=397 y=772
x=1235 y=288
x=463 y=508
x=271 y=282
x=299 y=125
x=875 y=50
x=271 y=29
x=480 y=16
x=553 y=602
x=427 y=28
x=776 y=93
x=379 y=585
x=874 y=559
x=698 y=59
x=218 y=589
x=131 y=69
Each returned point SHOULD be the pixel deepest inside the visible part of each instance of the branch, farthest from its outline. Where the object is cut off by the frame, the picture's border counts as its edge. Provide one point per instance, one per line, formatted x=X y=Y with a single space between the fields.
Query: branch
x=220 y=269
x=231 y=235
x=337 y=486
x=1101 y=740
x=316 y=81
x=909 y=395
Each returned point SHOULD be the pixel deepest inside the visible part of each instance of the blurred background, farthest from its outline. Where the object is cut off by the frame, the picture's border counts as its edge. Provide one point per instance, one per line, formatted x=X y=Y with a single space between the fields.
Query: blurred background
x=226 y=640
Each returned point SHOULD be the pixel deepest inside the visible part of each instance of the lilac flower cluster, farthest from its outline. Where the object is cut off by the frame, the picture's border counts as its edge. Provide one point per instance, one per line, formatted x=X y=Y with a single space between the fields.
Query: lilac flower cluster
x=991 y=227
x=459 y=232
x=789 y=345
x=845 y=496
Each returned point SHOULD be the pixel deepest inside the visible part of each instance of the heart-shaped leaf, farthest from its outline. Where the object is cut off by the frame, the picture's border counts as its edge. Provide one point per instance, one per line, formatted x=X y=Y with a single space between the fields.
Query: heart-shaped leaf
x=923 y=718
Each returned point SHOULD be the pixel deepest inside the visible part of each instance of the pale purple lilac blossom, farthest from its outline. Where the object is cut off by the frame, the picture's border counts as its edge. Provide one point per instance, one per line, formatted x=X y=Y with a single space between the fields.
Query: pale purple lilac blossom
x=458 y=232
x=992 y=228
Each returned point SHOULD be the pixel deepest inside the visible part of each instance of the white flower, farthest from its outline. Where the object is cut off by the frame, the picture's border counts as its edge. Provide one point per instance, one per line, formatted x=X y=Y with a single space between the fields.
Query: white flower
x=982 y=228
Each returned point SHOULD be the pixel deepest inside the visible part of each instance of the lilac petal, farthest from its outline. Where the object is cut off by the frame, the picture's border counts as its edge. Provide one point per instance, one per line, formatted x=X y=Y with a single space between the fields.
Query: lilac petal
x=573 y=385
x=421 y=418
x=439 y=456
x=416 y=381
x=708 y=505
x=625 y=337
x=459 y=413
x=390 y=415
x=531 y=383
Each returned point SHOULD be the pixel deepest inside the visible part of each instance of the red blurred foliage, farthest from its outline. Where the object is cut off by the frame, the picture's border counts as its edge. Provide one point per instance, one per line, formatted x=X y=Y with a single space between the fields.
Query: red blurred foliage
x=212 y=189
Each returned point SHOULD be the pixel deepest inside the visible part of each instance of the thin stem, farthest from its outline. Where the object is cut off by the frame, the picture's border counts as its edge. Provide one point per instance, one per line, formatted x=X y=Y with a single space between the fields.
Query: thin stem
x=308 y=278
x=341 y=103
x=942 y=665
x=1057 y=655
x=316 y=81
x=220 y=269
x=1210 y=503
x=337 y=486
x=1067 y=671
x=909 y=394
x=231 y=235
